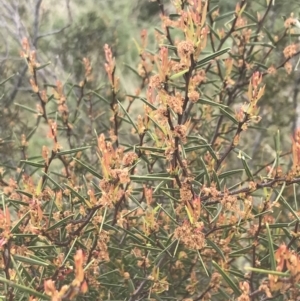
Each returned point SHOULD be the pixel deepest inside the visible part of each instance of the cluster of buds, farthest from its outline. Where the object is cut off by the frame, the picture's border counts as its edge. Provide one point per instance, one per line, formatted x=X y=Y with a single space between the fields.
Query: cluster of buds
x=150 y=224
x=191 y=235
x=164 y=65
x=115 y=168
x=5 y=225
x=88 y=69
x=147 y=59
x=228 y=67
x=255 y=92
x=45 y=154
x=296 y=153
x=24 y=142
x=245 y=288
x=36 y=215
x=110 y=67
x=289 y=52
x=142 y=123
x=29 y=55
x=185 y=50
x=249 y=111
x=291 y=22
x=243 y=35
x=192 y=23
x=53 y=135
x=159 y=285
x=61 y=101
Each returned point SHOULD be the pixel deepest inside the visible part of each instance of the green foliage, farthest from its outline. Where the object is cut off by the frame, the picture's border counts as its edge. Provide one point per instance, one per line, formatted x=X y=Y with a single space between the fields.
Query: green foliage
x=159 y=189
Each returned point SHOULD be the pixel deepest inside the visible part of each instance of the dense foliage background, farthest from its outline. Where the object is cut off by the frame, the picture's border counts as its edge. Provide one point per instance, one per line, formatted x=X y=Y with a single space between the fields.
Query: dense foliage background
x=149 y=150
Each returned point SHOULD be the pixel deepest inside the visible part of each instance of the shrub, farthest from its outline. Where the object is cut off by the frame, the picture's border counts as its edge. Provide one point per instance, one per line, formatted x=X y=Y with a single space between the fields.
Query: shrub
x=153 y=194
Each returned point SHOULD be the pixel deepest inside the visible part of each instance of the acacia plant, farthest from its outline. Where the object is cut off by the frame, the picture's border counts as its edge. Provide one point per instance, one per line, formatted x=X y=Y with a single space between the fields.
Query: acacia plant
x=154 y=195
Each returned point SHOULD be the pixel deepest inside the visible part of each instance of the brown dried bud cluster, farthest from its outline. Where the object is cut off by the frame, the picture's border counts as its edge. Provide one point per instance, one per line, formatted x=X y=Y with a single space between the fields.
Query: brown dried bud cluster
x=290 y=50
x=185 y=50
x=191 y=235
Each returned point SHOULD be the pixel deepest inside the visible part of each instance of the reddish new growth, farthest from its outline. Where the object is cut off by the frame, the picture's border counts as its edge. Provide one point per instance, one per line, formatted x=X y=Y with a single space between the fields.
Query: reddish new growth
x=77 y=286
x=110 y=66
x=286 y=260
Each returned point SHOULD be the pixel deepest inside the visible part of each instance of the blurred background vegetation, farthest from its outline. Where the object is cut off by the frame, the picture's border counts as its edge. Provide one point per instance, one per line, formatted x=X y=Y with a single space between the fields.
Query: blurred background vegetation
x=63 y=32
